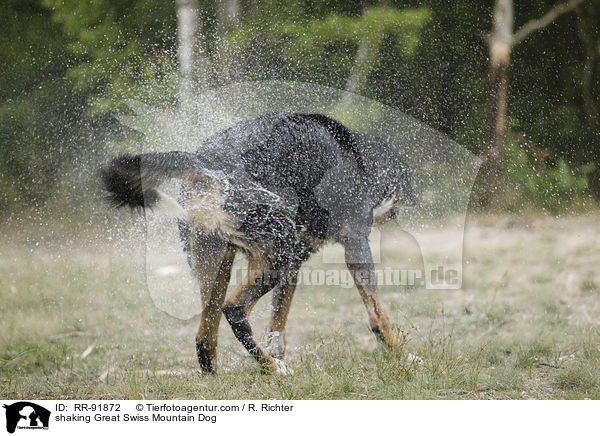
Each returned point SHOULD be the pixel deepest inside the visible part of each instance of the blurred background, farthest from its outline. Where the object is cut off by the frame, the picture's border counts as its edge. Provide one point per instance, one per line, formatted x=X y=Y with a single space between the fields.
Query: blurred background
x=517 y=83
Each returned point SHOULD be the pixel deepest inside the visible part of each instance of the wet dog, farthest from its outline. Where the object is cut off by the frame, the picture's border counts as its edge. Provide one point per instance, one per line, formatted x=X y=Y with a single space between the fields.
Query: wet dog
x=274 y=188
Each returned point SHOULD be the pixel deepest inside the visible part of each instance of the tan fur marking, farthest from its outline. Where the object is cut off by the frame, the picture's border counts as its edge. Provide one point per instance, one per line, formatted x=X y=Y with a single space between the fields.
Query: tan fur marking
x=256 y=266
x=377 y=314
x=204 y=203
x=242 y=297
x=213 y=280
x=280 y=314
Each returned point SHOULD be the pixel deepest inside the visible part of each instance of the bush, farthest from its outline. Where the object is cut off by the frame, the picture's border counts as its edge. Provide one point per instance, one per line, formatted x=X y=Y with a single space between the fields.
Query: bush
x=551 y=185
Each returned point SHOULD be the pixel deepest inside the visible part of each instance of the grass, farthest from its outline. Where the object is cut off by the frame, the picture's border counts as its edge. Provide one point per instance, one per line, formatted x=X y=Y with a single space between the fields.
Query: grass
x=78 y=322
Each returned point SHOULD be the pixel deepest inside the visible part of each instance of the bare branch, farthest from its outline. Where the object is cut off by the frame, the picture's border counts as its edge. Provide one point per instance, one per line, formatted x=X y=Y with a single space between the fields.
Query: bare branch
x=537 y=24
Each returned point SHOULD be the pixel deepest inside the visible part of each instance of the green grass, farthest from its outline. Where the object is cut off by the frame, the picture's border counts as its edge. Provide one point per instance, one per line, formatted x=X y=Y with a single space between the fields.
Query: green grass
x=78 y=322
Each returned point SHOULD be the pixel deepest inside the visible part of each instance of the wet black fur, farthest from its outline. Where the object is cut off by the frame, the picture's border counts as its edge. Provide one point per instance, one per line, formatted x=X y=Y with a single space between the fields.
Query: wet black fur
x=324 y=173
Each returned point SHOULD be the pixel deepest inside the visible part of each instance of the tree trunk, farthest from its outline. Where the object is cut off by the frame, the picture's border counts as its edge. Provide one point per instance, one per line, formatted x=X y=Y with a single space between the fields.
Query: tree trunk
x=227 y=61
x=191 y=50
x=364 y=62
x=500 y=48
x=501 y=42
x=228 y=14
x=584 y=26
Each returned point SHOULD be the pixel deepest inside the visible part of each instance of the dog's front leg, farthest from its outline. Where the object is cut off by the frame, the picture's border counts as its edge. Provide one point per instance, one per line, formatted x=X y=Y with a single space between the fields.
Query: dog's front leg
x=360 y=263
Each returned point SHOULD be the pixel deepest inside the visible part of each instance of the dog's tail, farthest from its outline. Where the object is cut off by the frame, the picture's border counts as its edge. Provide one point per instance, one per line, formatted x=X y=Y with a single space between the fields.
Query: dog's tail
x=132 y=180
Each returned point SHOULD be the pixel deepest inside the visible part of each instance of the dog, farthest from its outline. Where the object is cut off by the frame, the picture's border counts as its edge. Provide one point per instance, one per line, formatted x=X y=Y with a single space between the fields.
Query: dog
x=275 y=188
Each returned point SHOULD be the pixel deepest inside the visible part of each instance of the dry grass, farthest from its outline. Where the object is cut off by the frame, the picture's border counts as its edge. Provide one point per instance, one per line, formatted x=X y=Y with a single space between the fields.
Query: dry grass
x=77 y=322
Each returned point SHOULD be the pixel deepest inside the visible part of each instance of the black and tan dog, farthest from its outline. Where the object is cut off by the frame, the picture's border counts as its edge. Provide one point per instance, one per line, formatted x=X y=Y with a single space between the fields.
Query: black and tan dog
x=275 y=188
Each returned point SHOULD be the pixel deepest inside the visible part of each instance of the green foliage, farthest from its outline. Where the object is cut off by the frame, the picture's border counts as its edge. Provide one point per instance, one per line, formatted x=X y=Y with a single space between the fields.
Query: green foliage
x=38 y=110
x=126 y=48
x=310 y=39
x=555 y=187
x=66 y=64
x=325 y=47
x=61 y=61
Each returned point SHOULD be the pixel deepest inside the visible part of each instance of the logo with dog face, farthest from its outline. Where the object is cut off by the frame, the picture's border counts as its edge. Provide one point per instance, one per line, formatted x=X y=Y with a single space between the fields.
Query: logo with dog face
x=26 y=415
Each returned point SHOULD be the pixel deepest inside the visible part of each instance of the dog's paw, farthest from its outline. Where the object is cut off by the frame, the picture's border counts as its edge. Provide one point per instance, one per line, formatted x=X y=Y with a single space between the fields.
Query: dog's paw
x=274 y=343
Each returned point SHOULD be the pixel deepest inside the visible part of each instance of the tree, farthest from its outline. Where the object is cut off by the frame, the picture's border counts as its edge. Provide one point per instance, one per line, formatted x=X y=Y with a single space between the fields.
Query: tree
x=190 y=48
x=125 y=50
x=36 y=133
x=501 y=43
x=590 y=37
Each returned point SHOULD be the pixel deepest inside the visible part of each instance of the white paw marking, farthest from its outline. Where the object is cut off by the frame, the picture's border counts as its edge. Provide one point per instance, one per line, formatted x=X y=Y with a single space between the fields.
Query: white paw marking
x=274 y=343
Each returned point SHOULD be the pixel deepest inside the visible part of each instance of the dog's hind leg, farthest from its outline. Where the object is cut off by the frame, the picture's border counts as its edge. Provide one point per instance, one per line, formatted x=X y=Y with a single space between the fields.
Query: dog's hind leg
x=360 y=263
x=283 y=295
x=211 y=259
x=282 y=300
x=240 y=303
